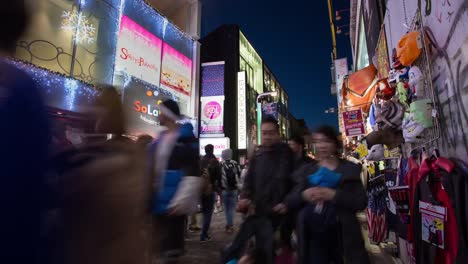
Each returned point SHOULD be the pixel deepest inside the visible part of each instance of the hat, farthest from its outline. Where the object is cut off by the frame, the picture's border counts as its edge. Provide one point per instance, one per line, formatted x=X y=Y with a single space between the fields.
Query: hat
x=422 y=112
x=384 y=90
x=409 y=48
x=411 y=129
x=376 y=153
x=402 y=94
x=416 y=81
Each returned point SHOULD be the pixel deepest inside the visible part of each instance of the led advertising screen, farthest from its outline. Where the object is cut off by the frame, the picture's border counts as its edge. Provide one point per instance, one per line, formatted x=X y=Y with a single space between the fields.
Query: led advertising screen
x=176 y=71
x=212 y=116
x=138 y=52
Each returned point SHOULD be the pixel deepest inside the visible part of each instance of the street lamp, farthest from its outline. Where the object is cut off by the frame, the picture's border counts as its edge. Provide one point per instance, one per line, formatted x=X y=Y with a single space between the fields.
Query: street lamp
x=259 y=113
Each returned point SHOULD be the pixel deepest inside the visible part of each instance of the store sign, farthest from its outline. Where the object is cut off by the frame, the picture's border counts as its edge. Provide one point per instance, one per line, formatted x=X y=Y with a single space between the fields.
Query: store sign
x=241 y=111
x=212 y=116
x=383 y=65
x=341 y=70
x=219 y=144
x=353 y=123
x=176 y=71
x=138 y=52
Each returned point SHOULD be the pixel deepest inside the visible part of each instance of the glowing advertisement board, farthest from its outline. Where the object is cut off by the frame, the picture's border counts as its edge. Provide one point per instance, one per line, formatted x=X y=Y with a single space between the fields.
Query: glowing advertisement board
x=219 y=144
x=354 y=123
x=241 y=111
x=212 y=116
x=138 y=52
x=176 y=71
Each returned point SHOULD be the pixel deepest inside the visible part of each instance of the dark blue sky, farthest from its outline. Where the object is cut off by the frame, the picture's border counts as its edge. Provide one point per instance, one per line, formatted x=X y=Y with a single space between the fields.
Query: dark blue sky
x=294 y=39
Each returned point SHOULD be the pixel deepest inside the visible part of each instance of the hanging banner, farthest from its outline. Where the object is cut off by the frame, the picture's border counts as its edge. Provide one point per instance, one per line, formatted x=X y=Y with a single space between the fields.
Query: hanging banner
x=212 y=116
x=138 y=52
x=176 y=71
x=341 y=70
x=383 y=65
x=212 y=75
x=353 y=123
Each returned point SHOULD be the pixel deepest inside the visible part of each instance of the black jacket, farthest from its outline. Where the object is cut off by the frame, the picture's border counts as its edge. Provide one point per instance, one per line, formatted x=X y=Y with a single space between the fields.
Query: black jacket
x=214 y=169
x=350 y=198
x=268 y=179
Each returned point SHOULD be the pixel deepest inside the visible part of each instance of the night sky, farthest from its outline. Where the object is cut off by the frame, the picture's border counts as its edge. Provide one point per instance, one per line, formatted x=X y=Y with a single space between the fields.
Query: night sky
x=294 y=39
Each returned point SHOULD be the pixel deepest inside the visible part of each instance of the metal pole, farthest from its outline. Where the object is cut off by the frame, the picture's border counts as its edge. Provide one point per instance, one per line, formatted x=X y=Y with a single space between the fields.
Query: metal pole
x=332 y=27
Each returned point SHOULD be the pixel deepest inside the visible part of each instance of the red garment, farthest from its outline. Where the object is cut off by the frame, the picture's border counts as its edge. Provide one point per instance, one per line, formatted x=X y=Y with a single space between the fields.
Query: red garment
x=449 y=254
x=411 y=180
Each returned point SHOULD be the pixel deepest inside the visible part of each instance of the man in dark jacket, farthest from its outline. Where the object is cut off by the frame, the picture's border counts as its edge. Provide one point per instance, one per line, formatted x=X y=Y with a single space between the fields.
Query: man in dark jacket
x=213 y=168
x=266 y=185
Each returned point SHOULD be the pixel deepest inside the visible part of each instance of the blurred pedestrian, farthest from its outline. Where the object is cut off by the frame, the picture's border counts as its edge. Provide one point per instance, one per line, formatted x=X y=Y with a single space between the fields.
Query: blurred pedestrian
x=265 y=187
x=25 y=137
x=230 y=183
x=211 y=169
x=104 y=193
x=330 y=195
x=297 y=145
x=144 y=140
x=173 y=158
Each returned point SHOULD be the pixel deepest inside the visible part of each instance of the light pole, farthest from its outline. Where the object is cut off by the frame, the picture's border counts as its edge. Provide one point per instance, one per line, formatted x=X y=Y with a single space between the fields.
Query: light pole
x=259 y=113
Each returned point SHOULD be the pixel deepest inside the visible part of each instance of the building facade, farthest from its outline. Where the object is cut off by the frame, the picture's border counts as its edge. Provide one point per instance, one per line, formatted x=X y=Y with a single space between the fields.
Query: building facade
x=246 y=78
x=75 y=47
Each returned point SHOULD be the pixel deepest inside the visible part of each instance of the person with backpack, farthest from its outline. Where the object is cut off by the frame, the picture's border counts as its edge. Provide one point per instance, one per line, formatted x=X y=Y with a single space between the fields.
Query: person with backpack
x=230 y=181
x=211 y=174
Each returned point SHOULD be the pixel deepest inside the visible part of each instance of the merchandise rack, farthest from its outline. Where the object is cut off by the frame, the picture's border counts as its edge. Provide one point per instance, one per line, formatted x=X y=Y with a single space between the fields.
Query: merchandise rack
x=423 y=62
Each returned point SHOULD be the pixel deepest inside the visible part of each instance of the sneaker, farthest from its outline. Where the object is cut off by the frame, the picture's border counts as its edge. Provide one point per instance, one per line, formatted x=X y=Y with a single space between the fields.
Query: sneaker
x=205 y=239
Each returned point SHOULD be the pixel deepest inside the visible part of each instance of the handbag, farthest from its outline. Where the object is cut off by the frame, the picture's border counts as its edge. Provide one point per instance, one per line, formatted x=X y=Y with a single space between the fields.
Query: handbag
x=390 y=115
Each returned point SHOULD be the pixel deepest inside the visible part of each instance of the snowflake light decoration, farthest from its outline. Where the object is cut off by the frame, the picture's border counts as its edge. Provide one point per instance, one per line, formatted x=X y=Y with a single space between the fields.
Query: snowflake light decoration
x=78 y=24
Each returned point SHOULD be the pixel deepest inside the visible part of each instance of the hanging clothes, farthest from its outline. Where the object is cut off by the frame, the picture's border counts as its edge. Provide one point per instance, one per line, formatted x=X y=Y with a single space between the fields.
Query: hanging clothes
x=429 y=190
x=377 y=209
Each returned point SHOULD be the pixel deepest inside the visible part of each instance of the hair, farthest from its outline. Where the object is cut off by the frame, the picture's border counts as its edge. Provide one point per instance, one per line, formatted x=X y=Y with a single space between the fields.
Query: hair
x=14 y=18
x=298 y=140
x=209 y=149
x=112 y=120
x=269 y=119
x=173 y=106
x=330 y=133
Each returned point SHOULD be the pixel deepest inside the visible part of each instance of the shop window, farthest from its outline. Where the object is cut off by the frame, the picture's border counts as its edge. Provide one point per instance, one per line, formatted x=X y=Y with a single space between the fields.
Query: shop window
x=45 y=44
x=75 y=38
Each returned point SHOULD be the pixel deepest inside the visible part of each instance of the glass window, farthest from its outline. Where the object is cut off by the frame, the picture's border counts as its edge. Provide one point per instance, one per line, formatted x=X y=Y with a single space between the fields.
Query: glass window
x=363 y=55
x=45 y=43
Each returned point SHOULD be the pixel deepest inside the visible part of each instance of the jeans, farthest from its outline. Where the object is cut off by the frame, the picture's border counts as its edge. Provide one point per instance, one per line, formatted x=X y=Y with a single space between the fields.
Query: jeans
x=230 y=200
x=208 y=202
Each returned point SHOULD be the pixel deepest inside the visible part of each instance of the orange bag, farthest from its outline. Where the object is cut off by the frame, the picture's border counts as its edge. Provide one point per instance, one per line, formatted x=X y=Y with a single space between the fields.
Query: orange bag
x=358 y=88
x=409 y=48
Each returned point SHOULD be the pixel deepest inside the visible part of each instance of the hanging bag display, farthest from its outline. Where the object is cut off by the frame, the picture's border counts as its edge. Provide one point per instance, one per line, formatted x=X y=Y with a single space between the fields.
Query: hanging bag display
x=357 y=88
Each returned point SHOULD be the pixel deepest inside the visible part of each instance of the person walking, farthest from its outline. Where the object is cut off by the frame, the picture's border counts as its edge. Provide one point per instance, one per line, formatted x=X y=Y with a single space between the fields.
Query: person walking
x=211 y=171
x=24 y=141
x=266 y=185
x=230 y=182
x=297 y=145
x=330 y=195
x=173 y=157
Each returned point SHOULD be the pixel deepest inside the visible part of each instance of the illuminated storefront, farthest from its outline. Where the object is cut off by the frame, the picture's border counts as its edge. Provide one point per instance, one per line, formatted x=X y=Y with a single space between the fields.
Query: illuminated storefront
x=74 y=45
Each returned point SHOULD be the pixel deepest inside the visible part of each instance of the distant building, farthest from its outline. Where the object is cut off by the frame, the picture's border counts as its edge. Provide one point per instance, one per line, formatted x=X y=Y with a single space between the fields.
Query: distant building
x=246 y=76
